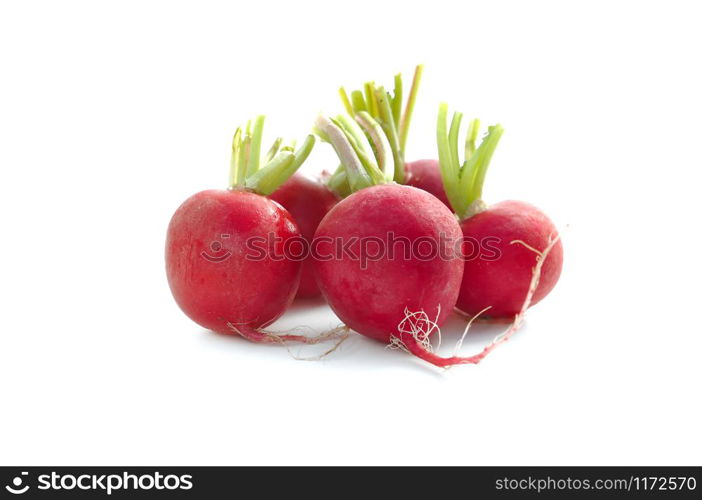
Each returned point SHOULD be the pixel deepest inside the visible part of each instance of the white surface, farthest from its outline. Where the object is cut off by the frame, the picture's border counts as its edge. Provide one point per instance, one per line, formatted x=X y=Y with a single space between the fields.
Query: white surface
x=112 y=114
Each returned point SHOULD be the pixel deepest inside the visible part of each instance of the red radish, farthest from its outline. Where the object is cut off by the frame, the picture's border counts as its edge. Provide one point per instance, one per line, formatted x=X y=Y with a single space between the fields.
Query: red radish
x=372 y=295
x=426 y=175
x=214 y=276
x=210 y=276
x=308 y=201
x=496 y=284
x=518 y=230
x=380 y=290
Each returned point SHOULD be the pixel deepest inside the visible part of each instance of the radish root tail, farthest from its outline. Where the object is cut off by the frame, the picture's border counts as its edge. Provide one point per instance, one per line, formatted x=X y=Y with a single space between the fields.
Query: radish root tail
x=419 y=326
x=259 y=335
x=415 y=328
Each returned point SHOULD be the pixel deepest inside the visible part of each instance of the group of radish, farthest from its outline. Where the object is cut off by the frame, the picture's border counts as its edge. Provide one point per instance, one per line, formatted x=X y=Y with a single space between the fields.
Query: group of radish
x=398 y=297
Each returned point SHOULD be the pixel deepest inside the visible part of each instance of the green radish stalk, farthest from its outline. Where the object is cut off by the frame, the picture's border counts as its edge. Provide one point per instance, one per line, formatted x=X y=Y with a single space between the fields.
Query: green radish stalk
x=423 y=174
x=380 y=113
x=463 y=181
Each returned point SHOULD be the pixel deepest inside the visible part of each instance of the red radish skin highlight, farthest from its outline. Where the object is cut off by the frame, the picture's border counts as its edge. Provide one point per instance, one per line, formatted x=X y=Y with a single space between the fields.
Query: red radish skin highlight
x=375 y=300
x=308 y=201
x=502 y=283
x=426 y=175
x=210 y=276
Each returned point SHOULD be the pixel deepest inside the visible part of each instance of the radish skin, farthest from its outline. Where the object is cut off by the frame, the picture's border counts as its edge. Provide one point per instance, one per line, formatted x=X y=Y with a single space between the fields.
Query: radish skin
x=373 y=301
x=426 y=175
x=308 y=202
x=502 y=283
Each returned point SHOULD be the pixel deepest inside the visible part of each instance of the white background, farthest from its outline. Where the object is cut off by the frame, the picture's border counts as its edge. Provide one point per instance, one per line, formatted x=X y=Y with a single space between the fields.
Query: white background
x=111 y=114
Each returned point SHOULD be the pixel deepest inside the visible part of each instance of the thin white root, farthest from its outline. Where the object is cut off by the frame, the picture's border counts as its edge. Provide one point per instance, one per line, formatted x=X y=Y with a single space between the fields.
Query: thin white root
x=533 y=285
x=459 y=344
x=524 y=244
x=341 y=332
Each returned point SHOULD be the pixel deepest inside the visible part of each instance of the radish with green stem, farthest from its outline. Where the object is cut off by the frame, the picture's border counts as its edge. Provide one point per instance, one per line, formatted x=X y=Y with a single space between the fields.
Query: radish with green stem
x=519 y=232
x=377 y=289
x=213 y=274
